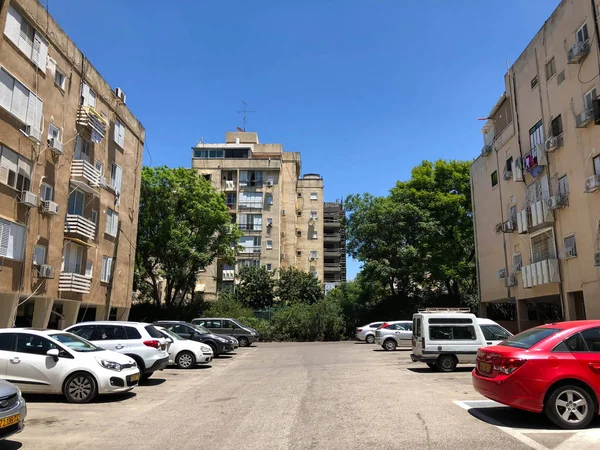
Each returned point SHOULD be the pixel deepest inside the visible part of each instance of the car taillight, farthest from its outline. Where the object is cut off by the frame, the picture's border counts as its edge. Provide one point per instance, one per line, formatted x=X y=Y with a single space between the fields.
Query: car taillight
x=358 y=330
x=385 y=325
x=507 y=365
x=152 y=343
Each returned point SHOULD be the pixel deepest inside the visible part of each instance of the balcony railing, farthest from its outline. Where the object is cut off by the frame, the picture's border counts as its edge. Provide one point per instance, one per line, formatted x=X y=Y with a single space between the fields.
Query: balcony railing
x=228 y=274
x=87 y=116
x=74 y=282
x=251 y=183
x=231 y=206
x=80 y=225
x=542 y=272
x=331 y=237
x=250 y=227
x=83 y=169
x=330 y=267
x=251 y=205
x=331 y=252
x=249 y=250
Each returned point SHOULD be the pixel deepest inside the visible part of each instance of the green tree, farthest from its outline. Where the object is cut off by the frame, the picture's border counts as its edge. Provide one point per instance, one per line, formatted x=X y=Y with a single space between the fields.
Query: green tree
x=297 y=286
x=256 y=287
x=183 y=226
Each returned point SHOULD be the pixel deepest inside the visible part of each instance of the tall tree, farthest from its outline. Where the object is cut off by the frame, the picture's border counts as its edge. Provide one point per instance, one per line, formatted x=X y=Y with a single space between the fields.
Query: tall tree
x=256 y=287
x=297 y=286
x=183 y=226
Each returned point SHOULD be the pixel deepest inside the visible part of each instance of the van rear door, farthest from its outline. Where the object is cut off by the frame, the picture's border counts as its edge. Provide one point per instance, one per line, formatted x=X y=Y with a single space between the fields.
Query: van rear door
x=417 y=335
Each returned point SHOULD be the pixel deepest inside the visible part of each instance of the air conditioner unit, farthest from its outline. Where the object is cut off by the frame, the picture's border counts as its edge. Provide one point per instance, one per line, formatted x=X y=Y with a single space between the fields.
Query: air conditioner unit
x=556 y=202
x=29 y=198
x=56 y=146
x=508 y=226
x=551 y=144
x=486 y=150
x=508 y=174
x=119 y=92
x=499 y=228
x=584 y=119
x=33 y=134
x=50 y=207
x=269 y=183
x=510 y=280
x=592 y=184
x=578 y=52
x=102 y=182
x=501 y=274
x=597 y=259
x=46 y=271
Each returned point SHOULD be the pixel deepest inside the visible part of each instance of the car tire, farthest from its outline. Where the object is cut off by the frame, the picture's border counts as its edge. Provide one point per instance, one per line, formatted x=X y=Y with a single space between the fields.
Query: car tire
x=390 y=345
x=243 y=341
x=214 y=349
x=566 y=403
x=446 y=363
x=370 y=339
x=432 y=366
x=185 y=360
x=144 y=376
x=80 y=387
x=139 y=361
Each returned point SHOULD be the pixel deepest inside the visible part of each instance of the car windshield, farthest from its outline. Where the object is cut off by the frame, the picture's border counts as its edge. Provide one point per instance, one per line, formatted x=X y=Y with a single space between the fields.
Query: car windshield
x=75 y=343
x=495 y=332
x=529 y=338
x=201 y=329
x=170 y=334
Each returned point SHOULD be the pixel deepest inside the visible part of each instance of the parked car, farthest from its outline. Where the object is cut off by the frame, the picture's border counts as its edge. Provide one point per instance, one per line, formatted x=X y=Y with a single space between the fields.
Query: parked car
x=13 y=410
x=138 y=340
x=185 y=353
x=444 y=338
x=367 y=333
x=394 y=334
x=231 y=327
x=219 y=344
x=55 y=362
x=554 y=369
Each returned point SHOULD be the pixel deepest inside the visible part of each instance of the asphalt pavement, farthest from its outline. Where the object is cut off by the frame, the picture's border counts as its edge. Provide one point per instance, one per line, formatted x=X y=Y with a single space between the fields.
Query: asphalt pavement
x=341 y=395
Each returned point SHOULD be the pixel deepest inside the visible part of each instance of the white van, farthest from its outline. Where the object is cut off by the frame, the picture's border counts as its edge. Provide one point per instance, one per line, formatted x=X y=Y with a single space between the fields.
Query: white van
x=443 y=338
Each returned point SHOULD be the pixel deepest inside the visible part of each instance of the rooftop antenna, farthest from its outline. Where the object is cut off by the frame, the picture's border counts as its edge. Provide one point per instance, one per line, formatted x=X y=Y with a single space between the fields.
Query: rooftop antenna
x=245 y=111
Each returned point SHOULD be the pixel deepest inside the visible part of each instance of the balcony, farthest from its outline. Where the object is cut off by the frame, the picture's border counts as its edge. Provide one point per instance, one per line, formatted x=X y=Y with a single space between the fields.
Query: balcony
x=249 y=227
x=332 y=267
x=88 y=117
x=77 y=224
x=331 y=223
x=331 y=237
x=85 y=176
x=251 y=206
x=542 y=272
x=251 y=184
x=231 y=207
x=74 y=282
x=228 y=275
x=253 y=250
x=331 y=252
x=228 y=185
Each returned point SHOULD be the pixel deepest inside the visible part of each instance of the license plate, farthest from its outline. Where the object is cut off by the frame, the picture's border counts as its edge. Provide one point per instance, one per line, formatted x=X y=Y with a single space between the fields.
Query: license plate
x=485 y=367
x=10 y=420
x=135 y=377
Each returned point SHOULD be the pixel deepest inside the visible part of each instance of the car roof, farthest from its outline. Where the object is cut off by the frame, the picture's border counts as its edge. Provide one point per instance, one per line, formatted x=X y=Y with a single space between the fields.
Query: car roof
x=38 y=331
x=572 y=325
x=110 y=322
x=170 y=321
x=485 y=321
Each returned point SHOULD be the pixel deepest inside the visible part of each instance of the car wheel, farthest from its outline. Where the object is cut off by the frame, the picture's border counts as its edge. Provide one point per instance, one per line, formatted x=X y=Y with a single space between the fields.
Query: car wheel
x=185 y=360
x=432 y=366
x=390 y=345
x=80 y=388
x=447 y=363
x=244 y=342
x=370 y=339
x=214 y=349
x=570 y=407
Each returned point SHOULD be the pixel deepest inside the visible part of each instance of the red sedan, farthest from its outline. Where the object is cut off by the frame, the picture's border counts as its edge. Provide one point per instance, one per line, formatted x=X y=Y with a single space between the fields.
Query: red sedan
x=554 y=369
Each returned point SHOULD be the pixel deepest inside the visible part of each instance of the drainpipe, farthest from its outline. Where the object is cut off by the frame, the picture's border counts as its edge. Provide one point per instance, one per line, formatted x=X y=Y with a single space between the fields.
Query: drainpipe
x=476 y=242
x=595 y=16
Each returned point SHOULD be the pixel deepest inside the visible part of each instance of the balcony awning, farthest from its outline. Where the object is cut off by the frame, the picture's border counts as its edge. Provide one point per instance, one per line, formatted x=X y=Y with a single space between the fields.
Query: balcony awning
x=79 y=241
x=85 y=187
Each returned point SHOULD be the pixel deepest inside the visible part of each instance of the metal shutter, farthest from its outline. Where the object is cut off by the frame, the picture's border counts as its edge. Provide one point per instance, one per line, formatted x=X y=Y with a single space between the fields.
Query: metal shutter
x=24 y=174
x=40 y=51
x=34 y=111
x=12 y=30
x=20 y=100
x=8 y=167
x=6 y=89
x=4 y=236
x=16 y=242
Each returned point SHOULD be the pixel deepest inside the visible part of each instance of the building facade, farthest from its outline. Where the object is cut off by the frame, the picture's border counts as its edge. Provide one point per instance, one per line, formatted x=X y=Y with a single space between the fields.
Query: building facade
x=279 y=211
x=334 y=244
x=70 y=169
x=536 y=185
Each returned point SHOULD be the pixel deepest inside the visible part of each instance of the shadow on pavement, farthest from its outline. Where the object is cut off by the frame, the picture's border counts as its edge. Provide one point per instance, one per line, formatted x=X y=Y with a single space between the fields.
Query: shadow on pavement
x=51 y=398
x=10 y=445
x=398 y=349
x=228 y=356
x=428 y=370
x=152 y=382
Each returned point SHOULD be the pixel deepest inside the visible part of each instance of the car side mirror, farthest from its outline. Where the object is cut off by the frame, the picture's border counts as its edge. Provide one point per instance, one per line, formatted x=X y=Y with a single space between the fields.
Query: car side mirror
x=54 y=352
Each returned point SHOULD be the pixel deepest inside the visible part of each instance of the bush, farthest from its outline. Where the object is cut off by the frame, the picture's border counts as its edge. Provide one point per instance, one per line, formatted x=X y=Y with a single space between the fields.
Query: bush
x=228 y=306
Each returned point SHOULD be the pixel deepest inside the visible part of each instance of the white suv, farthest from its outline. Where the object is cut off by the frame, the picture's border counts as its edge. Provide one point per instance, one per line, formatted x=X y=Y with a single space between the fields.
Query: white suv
x=138 y=340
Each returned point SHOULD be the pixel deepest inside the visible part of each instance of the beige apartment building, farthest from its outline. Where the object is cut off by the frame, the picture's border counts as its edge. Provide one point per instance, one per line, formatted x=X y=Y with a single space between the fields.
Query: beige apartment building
x=70 y=167
x=536 y=185
x=279 y=211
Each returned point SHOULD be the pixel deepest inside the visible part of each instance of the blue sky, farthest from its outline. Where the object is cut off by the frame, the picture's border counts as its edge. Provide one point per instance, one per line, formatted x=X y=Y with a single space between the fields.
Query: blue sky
x=365 y=90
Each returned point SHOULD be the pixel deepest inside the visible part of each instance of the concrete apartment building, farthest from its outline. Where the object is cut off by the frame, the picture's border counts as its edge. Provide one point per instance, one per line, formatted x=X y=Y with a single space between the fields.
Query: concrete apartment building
x=536 y=185
x=334 y=243
x=279 y=211
x=70 y=167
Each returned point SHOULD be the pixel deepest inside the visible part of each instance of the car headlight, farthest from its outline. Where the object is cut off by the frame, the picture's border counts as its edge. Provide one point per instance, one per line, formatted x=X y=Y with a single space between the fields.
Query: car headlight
x=206 y=349
x=111 y=365
x=220 y=339
x=19 y=394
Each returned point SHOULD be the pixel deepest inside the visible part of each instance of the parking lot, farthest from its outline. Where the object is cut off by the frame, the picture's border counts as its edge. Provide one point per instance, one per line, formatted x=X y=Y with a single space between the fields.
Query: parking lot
x=296 y=396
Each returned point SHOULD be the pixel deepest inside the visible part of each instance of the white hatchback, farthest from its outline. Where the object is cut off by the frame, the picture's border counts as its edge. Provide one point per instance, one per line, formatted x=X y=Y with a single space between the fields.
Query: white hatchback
x=55 y=362
x=185 y=353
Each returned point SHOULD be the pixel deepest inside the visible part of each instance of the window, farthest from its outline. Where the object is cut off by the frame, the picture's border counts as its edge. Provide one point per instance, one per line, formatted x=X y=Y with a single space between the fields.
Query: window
x=451 y=333
x=26 y=38
x=592 y=339
x=76 y=203
x=314 y=235
x=596 y=166
x=119 y=136
x=494 y=178
x=299 y=233
x=39 y=255
x=33 y=344
x=116 y=176
x=529 y=338
x=107 y=262
x=517 y=262
x=46 y=192
x=251 y=200
x=72 y=258
x=109 y=333
x=582 y=34
x=314 y=273
x=53 y=132
x=269 y=221
x=509 y=165
x=557 y=126
x=270 y=267
x=534 y=82
x=269 y=199
x=12 y=240
x=20 y=101
x=15 y=170
x=512 y=214
x=542 y=247
x=494 y=333
x=269 y=245
x=550 y=69
x=251 y=178
x=313 y=214
x=314 y=254
x=250 y=244
x=299 y=194
x=231 y=199
x=94 y=216
x=88 y=96
x=215 y=153
x=314 y=196
x=570 y=246
x=99 y=166
x=251 y=222
x=298 y=253
x=576 y=343
x=112 y=222
x=248 y=263
x=588 y=99
x=536 y=135
x=60 y=78
x=299 y=213
x=7 y=342
x=563 y=186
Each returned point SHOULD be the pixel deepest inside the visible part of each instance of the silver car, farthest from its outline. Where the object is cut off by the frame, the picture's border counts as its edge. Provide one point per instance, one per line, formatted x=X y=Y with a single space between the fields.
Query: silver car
x=13 y=410
x=394 y=334
x=367 y=333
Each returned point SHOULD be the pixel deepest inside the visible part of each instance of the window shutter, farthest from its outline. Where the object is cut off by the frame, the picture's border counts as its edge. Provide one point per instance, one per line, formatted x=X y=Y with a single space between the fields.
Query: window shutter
x=109 y=263
x=34 y=111
x=13 y=25
x=24 y=174
x=8 y=167
x=4 y=237
x=115 y=224
x=16 y=242
x=40 y=51
x=6 y=88
x=108 y=223
x=20 y=101
x=117 y=131
x=89 y=266
x=119 y=178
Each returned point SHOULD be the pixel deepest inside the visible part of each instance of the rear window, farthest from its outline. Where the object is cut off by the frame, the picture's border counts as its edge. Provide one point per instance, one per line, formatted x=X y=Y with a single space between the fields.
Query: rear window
x=494 y=333
x=133 y=333
x=376 y=325
x=452 y=333
x=153 y=332
x=529 y=338
x=417 y=327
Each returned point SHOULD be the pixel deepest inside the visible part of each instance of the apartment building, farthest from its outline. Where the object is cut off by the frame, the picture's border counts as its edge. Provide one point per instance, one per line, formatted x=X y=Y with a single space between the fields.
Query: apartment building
x=279 y=211
x=334 y=244
x=70 y=168
x=536 y=184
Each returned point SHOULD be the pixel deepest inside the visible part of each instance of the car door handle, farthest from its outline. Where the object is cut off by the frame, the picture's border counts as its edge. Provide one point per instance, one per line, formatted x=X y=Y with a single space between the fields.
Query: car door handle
x=595 y=367
x=15 y=360
x=119 y=346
